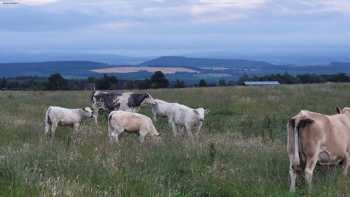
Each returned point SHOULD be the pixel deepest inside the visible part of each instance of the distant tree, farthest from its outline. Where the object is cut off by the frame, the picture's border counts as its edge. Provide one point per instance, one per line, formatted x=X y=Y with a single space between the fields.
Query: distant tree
x=144 y=84
x=130 y=85
x=243 y=78
x=340 y=77
x=311 y=78
x=57 y=82
x=107 y=83
x=288 y=79
x=158 y=80
x=91 y=79
x=179 y=84
x=202 y=83
x=222 y=82
x=3 y=83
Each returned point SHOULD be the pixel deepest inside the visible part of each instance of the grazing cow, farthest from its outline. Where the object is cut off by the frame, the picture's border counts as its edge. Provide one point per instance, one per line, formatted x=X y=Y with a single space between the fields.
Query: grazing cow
x=110 y=101
x=316 y=138
x=120 y=121
x=65 y=117
x=160 y=109
x=179 y=116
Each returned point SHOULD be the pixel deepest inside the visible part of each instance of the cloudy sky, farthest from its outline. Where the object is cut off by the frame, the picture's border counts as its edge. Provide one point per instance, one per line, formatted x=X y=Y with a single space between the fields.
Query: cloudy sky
x=240 y=28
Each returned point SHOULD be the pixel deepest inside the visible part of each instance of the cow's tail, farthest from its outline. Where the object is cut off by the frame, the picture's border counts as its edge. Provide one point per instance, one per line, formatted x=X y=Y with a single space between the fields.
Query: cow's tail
x=47 y=120
x=295 y=125
x=110 y=127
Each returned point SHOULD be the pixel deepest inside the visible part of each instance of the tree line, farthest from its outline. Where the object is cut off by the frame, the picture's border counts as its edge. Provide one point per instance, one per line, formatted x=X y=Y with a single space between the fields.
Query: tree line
x=157 y=80
x=58 y=82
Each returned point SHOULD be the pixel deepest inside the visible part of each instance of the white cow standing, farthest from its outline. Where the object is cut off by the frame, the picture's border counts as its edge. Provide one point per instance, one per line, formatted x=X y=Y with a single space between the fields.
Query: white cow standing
x=56 y=116
x=180 y=117
x=122 y=121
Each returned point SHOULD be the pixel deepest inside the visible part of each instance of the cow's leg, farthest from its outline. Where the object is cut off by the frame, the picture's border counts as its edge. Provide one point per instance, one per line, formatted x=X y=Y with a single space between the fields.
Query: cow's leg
x=142 y=135
x=47 y=129
x=344 y=181
x=188 y=129
x=95 y=115
x=173 y=127
x=53 y=130
x=181 y=130
x=199 y=127
x=293 y=177
x=346 y=164
x=113 y=137
x=154 y=115
x=309 y=169
x=76 y=132
x=113 y=134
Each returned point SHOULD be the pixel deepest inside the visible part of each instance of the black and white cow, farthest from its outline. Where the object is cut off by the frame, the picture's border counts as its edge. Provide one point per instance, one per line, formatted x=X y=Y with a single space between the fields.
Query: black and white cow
x=112 y=100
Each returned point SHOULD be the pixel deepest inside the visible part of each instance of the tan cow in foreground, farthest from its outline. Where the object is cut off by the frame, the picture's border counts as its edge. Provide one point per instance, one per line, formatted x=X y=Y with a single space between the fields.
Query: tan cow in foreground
x=122 y=121
x=317 y=138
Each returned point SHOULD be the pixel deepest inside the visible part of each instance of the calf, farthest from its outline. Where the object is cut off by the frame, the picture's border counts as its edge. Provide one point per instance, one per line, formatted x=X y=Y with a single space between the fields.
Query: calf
x=179 y=116
x=121 y=121
x=316 y=138
x=110 y=101
x=65 y=117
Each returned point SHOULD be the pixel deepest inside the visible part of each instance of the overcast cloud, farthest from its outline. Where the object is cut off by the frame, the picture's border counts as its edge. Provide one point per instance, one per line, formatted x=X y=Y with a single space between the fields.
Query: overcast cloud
x=168 y=27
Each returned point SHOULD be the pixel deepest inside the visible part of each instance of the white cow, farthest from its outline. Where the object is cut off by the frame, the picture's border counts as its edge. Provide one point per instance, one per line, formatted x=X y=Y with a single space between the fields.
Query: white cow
x=121 y=121
x=65 y=117
x=179 y=116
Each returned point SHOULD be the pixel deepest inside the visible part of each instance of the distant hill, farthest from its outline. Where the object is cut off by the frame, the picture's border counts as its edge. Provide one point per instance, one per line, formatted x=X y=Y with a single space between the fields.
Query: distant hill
x=210 y=69
x=331 y=68
x=203 y=62
x=66 y=68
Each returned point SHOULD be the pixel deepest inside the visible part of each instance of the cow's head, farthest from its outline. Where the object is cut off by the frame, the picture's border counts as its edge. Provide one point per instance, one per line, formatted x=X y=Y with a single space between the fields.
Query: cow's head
x=201 y=112
x=136 y=100
x=88 y=112
x=148 y=99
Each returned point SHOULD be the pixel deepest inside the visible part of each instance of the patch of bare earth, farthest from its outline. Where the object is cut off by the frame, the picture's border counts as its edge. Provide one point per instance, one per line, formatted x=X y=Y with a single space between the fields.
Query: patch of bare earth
x=133 y=69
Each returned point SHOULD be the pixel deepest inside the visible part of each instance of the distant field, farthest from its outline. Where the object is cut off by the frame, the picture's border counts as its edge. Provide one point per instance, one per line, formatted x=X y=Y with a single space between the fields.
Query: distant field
x=133 y=69
x=241 y=151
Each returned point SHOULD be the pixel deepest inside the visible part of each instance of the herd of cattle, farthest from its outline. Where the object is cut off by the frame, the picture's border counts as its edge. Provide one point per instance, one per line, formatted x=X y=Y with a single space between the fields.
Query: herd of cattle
x=123 y=116
x=313 y=138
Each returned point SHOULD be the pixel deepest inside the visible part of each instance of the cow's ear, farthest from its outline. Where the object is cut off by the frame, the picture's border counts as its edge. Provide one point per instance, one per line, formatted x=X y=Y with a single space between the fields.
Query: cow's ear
x=195 y=111
x=339 y=111
x=206 y=111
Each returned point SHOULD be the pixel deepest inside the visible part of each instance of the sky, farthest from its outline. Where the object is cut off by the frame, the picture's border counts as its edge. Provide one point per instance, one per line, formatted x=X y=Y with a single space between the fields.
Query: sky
x=235 y=28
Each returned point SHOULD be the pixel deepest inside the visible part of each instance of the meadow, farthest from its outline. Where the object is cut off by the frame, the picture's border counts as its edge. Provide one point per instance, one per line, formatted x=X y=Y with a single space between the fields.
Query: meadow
x=241 y=150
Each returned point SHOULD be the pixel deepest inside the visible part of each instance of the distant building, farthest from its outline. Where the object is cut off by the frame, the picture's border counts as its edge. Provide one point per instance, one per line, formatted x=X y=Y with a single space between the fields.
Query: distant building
x=261 y=83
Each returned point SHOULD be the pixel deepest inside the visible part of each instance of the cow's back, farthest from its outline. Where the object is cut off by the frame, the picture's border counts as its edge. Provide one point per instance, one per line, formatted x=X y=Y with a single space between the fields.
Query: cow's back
x=128 y=120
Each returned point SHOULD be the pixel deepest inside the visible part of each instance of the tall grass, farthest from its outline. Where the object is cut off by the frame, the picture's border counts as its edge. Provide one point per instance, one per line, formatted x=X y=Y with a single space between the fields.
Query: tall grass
x=241 y=150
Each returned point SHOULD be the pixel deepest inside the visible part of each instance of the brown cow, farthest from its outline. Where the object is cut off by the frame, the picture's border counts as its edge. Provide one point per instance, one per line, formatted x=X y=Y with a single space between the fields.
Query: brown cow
x=316 y=138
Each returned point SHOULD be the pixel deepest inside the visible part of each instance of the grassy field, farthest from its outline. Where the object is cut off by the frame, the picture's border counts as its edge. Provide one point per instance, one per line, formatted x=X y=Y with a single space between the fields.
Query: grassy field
x=241 y=151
